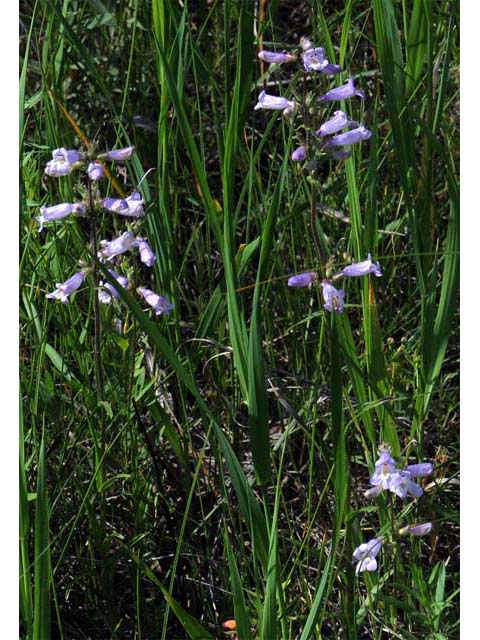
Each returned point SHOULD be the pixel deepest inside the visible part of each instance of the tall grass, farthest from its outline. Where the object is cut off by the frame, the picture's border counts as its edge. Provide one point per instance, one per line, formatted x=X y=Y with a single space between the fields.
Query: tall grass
x=239 y=433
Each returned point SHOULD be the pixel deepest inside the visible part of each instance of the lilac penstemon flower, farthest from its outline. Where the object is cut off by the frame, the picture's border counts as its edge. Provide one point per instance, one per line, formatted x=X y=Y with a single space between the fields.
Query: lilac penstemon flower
x=112 y=248
x=118 y=154
x=302 y=279
x=349 y=137
x=402 y=485
x=299 y=154
x=108 y=291
x=59 y=211
x=266 y=101
x=146 y=254
x=314 y=60
x=366 y=555
x=275 y=58
x=63 y=162
x=158 y=303
x=64 y=289
x=95 y=171
x=344 y=92
x=131 y=206
x=385 y=467
x=358 y=269
x=421 y=529
x=339 y=121
x=334 y=298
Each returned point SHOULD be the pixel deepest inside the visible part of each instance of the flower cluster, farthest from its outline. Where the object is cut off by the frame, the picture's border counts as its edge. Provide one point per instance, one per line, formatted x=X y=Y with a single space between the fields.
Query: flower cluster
x=399 y=481
x=328 y=140
x=314 y=60
x=335 y=298
x=63 y=162
x=388 y=477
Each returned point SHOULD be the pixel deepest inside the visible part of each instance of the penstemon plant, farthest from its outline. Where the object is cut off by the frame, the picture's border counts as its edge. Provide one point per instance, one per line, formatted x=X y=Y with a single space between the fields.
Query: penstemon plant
x=333 y=140
x=104 y=252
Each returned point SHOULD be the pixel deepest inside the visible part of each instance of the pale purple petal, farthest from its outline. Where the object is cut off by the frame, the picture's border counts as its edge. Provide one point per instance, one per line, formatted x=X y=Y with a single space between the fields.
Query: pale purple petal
x=417 y=529
x=401 y=484
x=112 y=248
x=131 y=206
x=419 y=470
x=115 y=205
x=331 y=69
x=302 y=279
x=277 y=58
x=118 y=154
x=360 y=269
x=105 y=294
x=349 y=137
x=339 y=121
x=374 y=491
x=366 y=553
x=62 y=162
x=158 y=303
x=146 y=254
x=64 y=289
x=334 y=298
x=314 y=59
x=95 y=171
x=344 y=92
x=266 y=101
x=299 y=154
x=59 y=211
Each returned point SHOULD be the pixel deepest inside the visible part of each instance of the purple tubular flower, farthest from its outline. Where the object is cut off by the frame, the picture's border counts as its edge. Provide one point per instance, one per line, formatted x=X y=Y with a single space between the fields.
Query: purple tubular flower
x=366 y=554
x=64 y=289
x=119 y=245
x=334 y=298
x=299 y=154
x=59 y=211
x=131 y=206
x=331 y=69
x=344 y=92
x=105 y=294
x=63 y=161
x=402 y=485
x=419 y=470
x=339 y=121
x=349 y=137
x=302 y=279
x=340 y=154
x=278 y=58
x=118 y=154
x=266 y=101
x=314 y=60
x=95 y=171
x=115 y=205
x=422 y=529
x=159 y=303
x=146 y=254
x=384 y=468
x=360 y=269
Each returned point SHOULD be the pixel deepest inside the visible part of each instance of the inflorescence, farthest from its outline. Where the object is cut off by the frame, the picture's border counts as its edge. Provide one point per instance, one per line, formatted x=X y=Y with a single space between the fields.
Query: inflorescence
x=64 y=162
x=325 y=141
x=334 y=139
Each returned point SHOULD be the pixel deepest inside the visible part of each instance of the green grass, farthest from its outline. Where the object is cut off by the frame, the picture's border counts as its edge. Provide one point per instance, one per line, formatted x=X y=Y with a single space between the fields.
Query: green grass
x=220 y=473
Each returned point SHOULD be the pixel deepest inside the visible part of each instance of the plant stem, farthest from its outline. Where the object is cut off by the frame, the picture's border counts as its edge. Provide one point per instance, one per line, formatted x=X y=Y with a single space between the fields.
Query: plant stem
x=97 y=350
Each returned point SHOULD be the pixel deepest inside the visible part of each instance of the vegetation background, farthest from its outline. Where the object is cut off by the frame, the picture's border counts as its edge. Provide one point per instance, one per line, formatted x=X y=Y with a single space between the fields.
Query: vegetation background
x=240 y=432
